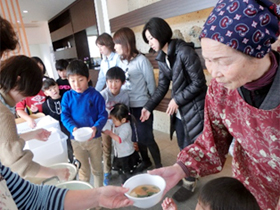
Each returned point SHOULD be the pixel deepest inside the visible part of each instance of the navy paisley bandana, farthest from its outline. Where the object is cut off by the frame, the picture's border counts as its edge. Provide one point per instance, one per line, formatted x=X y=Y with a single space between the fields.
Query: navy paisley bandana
x=249 y=26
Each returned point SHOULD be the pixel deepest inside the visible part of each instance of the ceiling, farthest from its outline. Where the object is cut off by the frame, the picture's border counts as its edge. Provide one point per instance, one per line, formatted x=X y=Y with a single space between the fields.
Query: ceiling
x=41 y=10
x=44 y=10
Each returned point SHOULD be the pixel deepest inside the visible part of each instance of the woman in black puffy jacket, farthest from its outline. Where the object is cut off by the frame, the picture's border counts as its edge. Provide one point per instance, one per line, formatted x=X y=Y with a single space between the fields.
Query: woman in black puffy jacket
x=179 y=63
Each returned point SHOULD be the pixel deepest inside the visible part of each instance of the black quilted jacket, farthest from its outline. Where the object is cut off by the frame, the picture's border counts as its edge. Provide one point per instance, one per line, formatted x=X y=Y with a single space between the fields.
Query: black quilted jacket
x=188 y=86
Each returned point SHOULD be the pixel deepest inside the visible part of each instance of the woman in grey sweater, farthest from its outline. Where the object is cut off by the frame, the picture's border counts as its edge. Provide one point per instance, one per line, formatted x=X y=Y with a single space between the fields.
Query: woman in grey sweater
x=140 y=84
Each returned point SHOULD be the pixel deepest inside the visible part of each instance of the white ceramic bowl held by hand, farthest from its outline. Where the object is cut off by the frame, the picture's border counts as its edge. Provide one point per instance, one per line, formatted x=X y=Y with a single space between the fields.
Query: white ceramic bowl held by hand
x=145 y=179
x=82 y=134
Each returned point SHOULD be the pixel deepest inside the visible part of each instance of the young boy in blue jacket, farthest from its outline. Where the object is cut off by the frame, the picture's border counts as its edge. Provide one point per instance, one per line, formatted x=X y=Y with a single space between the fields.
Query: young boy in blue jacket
x=83 y=106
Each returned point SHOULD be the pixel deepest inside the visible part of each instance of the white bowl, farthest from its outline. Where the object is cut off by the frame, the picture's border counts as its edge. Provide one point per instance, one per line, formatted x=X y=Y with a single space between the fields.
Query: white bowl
x=73 y=170
x=82 y=134
x=145 y=179
x=75 y=185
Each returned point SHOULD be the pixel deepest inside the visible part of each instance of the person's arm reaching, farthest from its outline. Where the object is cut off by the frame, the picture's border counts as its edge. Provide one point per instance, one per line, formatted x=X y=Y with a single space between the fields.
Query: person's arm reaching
x=171 y=174
x=50 y=197
x=108 y=197
x=46 y=172
x=113 y=136
x=31 y=122
x=39 y=134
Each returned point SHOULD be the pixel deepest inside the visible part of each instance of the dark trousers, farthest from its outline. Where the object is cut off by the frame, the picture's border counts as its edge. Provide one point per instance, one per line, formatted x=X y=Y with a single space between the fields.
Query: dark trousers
x=143 y=134
x=69 y=145
x=180 y=133
x=182 y=140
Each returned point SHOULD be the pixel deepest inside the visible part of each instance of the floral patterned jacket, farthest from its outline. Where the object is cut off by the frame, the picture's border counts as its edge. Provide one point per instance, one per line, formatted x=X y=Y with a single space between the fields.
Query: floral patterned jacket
x=256 y=159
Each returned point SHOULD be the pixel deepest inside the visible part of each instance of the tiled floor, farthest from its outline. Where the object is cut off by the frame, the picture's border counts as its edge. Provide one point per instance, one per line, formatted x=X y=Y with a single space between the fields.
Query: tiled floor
x=169 y=150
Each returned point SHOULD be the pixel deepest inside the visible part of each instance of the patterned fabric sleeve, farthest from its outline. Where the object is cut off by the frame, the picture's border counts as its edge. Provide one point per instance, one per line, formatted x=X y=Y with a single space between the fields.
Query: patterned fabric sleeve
x=208 y=154
x=30 y=196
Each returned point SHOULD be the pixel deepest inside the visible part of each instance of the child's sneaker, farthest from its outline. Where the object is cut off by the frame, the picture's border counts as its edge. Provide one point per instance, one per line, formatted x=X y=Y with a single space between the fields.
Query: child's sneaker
x=106 y=179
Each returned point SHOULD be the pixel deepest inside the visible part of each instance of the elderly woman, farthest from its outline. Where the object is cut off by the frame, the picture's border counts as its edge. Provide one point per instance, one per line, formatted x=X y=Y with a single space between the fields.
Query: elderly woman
x=242 y=101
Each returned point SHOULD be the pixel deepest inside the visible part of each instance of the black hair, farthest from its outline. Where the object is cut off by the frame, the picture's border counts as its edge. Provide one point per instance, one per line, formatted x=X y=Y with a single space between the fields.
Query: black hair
x=115 y=73
x=120 y=111
x=77 y=67
x=9 y=39
x=61 y=64
x=106 y=40
x=22 y=73
x=47 y=83
x=38 y=60
x=159 y=29
x=227 y=193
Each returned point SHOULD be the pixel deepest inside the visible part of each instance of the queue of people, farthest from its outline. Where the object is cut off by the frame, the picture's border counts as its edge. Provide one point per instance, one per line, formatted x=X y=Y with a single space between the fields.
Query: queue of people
x=242 y=103
x=16 y=75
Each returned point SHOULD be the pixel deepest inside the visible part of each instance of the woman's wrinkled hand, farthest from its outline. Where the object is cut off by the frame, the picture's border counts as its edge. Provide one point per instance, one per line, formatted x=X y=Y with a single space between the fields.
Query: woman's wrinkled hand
x=171 y=174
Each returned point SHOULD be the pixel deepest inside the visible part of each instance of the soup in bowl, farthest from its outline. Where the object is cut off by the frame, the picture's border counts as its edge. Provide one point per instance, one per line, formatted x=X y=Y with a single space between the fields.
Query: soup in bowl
x=145 y=190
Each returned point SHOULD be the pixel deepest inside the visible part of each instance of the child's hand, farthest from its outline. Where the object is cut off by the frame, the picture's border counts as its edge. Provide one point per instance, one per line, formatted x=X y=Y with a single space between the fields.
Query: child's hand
x=168 y=204
x=34 y=108
x=107 y=132
x=31 y=122
x=135 y=145
x=93 y=133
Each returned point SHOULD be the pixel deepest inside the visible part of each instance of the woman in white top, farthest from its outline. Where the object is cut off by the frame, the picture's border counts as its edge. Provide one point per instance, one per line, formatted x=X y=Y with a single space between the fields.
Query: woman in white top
x=110 y=59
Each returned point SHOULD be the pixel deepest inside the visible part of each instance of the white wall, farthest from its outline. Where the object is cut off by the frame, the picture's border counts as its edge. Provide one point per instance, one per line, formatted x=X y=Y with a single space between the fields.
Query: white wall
x=117 y=8
x=136 y=4
x=40 y=45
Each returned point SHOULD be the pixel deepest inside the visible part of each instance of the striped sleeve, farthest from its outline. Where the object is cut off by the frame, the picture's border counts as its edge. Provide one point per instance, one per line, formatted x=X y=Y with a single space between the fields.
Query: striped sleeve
x=30 y=196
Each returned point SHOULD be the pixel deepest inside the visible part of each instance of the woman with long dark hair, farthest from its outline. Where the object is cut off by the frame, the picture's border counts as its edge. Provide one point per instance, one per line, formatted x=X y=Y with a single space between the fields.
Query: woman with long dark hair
x=140 y=84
